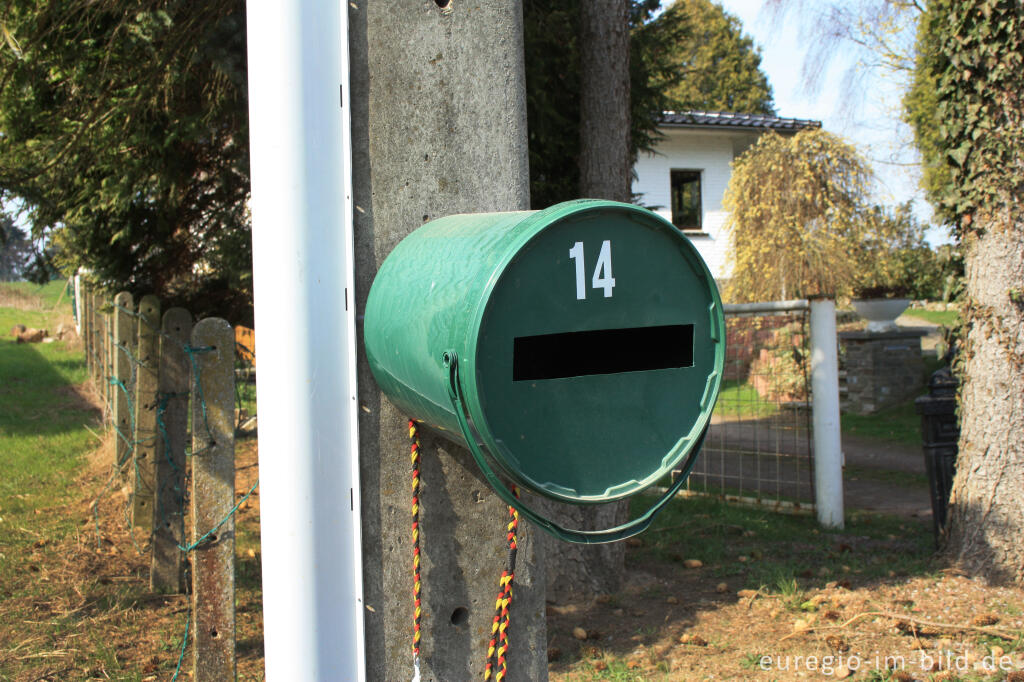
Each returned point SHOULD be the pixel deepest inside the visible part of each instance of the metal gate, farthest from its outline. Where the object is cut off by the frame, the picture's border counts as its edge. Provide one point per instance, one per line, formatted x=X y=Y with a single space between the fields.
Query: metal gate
x=759 y=449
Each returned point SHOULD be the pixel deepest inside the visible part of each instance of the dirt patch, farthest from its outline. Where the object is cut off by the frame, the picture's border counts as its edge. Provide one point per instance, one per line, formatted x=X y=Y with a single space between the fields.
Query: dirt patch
x=81 y=607
x=686 y=624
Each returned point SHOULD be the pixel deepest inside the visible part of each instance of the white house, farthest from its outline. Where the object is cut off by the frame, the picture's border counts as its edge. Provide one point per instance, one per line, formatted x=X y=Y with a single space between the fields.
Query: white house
x=685 y=177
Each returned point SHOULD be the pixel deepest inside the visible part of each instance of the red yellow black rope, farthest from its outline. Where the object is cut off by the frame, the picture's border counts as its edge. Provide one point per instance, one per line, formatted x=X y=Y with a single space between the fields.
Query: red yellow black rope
x=498 y=646
x=416 y=582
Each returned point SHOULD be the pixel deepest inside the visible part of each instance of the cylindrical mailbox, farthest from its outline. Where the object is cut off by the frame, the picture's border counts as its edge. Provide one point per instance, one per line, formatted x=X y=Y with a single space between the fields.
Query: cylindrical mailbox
x=581 y=346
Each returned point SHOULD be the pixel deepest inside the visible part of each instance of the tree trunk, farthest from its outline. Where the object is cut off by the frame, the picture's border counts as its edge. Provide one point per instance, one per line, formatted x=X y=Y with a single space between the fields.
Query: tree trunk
x=581 y=571
x=605 y=163
x=987 y=501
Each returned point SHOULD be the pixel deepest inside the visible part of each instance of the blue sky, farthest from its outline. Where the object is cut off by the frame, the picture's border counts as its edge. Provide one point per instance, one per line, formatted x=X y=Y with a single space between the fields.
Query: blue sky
x=868 y=117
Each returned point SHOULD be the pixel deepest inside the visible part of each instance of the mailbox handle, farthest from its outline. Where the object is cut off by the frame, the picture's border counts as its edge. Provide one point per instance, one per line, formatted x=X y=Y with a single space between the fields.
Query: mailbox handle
x=585 y=537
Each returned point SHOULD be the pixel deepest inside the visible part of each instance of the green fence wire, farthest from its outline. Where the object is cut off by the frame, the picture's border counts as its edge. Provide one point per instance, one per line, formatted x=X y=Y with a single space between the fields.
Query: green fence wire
x=245 y=403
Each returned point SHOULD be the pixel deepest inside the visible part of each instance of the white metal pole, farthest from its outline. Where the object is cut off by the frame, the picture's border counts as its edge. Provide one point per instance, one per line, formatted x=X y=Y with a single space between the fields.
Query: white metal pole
x=828 y=466
x=305 y=322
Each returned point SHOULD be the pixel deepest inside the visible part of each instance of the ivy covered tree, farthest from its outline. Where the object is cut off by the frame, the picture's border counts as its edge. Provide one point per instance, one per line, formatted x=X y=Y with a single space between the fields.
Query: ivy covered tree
x=971 y=57
x=798 y=209
x=123 y=129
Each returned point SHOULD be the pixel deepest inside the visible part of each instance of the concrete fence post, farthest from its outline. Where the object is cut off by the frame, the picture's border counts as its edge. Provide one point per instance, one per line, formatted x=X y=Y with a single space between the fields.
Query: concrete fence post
x=828 y=466
x=213 y=498
x=107 y=327
x=124 y=342
x=85 y=323
x=147 y=356
x=96 y=327
x=167 y=568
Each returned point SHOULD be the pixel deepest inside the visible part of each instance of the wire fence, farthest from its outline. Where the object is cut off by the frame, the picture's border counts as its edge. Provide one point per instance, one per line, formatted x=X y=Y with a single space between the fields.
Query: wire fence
x=175 y=395
x=758 y=449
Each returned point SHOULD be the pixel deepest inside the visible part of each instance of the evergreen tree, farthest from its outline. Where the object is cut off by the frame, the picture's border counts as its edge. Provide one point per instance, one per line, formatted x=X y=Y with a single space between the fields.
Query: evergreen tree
x=718 y=67
x=124 y=133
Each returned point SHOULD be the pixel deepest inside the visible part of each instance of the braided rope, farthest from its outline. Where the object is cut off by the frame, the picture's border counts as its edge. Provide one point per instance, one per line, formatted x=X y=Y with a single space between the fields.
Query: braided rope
x=498 y=645
x=414 y=449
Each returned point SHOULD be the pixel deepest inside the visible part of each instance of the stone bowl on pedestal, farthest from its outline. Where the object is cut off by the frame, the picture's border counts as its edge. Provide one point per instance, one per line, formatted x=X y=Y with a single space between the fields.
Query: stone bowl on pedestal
x=881 y=313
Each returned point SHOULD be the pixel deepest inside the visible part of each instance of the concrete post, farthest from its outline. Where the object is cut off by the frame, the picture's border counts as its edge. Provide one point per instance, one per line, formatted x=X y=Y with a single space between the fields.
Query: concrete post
x=213 y=499
x=108 y=359
x=85 y=322
x=146 y=383
x=828 y=455
x=166 y=573
x=124 y=345
x=439 y=127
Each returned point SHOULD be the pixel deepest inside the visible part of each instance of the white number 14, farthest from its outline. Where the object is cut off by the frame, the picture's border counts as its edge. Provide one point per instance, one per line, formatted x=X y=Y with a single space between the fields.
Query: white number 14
x=602 y=278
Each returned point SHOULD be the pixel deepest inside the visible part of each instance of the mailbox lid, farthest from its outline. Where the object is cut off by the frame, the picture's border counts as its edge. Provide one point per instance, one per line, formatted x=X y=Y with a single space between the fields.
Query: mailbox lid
x=598 y=353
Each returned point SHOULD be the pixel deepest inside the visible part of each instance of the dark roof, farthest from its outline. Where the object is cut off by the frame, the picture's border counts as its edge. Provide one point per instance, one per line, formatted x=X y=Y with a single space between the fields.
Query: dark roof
x=726 y=119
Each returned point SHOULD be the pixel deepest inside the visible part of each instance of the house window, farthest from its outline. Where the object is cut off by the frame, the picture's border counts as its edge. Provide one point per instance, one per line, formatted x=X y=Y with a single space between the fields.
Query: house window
x=686 y=213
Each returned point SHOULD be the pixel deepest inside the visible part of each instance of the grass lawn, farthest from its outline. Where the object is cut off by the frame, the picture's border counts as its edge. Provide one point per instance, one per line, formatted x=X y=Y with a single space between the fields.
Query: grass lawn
x=898 y=424
x=43 y=442
x=42 y=410
x=778 y=548
x=75 y=601
x=948 y=318
x=741 y=400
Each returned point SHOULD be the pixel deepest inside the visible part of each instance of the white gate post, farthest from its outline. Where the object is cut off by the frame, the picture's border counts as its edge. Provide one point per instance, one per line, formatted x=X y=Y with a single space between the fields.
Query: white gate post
x=828 y=466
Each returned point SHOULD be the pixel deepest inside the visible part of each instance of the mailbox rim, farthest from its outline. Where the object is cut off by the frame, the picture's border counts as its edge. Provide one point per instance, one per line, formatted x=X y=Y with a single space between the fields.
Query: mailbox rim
x=525 y=232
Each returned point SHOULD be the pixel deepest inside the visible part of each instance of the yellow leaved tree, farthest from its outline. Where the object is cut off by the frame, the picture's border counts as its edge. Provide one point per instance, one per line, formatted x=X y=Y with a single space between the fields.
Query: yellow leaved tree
x=798 y=217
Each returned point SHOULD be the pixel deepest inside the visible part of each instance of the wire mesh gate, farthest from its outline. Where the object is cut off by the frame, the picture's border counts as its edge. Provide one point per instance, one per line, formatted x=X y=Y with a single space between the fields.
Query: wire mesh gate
x=759 y=449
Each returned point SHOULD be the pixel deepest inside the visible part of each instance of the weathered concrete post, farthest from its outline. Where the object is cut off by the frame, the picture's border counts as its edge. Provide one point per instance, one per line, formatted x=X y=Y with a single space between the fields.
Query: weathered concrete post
x=439 y=127
x=213 y=497
x=108 y=358
x=85 y=320
x=146 y=381
x=167 y=568
x=124 y=343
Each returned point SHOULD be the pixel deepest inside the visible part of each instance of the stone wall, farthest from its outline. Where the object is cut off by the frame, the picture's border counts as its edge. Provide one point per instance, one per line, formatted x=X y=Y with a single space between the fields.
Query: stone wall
x=882 y=369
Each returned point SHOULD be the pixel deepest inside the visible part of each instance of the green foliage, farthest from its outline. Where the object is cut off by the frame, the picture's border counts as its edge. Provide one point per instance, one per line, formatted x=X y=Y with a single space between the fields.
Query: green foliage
x=552 y=99
x=15 y=249
x=125 y=134
x=741 y=400
x=921 y=112
x=551 y=35
x=971 y=53
x=895 y=259
x=779 y=372
x=695 y=41
x=797 y=207
x=720 y=67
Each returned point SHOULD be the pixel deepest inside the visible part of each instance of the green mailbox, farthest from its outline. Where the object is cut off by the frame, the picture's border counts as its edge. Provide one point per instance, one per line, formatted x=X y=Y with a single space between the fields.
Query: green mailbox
x=578 y=350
